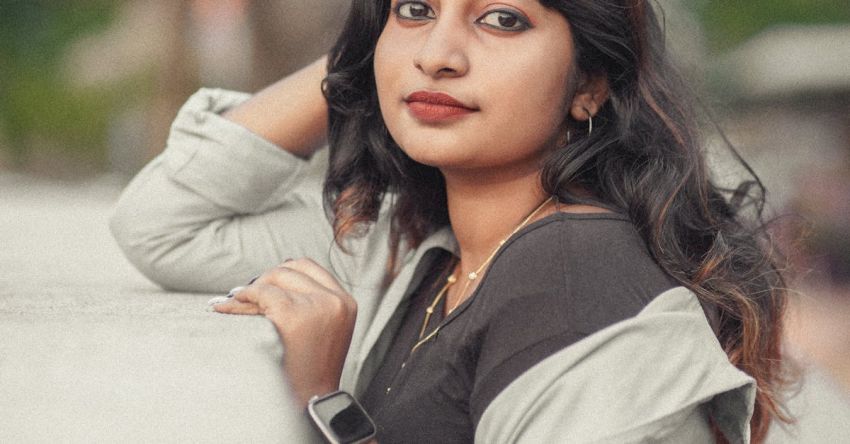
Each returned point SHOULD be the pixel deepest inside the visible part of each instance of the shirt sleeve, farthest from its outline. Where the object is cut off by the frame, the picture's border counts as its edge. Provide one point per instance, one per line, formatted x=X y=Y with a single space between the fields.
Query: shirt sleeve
x=221 y=204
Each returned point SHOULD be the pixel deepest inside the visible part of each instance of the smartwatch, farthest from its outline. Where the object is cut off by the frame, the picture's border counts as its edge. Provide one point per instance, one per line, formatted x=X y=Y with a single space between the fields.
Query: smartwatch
x=340 y=418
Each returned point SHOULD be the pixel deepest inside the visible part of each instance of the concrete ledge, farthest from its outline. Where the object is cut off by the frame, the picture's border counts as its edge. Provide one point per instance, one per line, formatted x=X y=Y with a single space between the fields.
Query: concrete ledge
x=160 y=374
x=93 y=352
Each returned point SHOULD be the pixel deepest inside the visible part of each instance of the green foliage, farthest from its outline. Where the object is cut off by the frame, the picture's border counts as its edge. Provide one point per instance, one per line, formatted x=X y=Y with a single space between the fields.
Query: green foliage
x=729 y=22
x=35 y=101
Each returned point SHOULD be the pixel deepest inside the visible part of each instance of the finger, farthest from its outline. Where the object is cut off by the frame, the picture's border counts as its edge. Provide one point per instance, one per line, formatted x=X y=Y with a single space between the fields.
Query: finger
x=263 y=296
x=292 y=280
x=219 y=300
x=238 y=307
x=316 y=272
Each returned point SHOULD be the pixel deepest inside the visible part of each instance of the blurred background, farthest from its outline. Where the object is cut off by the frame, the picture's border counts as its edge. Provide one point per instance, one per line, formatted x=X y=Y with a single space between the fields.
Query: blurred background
x=88 y=89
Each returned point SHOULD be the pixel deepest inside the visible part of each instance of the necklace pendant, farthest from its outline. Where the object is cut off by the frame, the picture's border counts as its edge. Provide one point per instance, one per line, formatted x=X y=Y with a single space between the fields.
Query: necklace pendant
x=472 y=276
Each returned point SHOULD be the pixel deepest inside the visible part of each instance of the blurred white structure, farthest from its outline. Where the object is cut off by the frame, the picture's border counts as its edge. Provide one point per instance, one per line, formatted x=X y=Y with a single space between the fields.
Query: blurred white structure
x=791 y=61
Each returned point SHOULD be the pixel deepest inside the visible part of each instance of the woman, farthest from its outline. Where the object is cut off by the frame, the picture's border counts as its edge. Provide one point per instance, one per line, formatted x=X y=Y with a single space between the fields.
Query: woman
x=525 y=241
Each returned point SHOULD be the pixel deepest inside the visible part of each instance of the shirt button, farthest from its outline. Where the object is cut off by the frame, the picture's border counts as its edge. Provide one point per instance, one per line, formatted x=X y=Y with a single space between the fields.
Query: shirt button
x=388 y=390
x=403 y=364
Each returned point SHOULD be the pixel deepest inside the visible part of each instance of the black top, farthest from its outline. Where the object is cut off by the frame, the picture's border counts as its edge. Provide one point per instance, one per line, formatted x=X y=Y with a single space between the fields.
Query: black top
x=556 y=281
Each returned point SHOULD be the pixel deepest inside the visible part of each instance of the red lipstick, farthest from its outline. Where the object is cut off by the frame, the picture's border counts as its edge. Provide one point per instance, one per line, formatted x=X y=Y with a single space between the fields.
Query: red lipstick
x=431 y=107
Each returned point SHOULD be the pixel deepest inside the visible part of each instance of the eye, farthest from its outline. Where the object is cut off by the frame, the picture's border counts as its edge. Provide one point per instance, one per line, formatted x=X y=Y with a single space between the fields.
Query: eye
x=505 y=21
x=414 y=11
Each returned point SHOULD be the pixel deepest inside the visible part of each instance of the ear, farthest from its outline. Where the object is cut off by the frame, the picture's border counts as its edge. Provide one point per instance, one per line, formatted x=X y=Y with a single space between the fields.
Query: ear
x=589 y=98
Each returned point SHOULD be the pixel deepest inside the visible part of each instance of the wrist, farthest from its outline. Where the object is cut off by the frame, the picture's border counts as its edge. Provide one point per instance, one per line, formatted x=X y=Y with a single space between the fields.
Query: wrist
x=303 y=395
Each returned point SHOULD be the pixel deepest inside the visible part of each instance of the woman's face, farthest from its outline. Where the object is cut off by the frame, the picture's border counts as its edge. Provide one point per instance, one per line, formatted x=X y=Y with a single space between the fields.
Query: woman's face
x=475 y=84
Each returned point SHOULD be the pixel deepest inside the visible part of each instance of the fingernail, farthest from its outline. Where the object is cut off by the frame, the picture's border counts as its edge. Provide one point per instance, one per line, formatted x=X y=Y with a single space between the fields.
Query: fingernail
x=218 y=300
x=233 y=291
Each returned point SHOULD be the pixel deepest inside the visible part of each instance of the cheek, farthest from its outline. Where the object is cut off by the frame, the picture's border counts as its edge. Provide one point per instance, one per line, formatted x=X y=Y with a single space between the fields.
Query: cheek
x=379 y=67
x=387 y=55
x=535 y=98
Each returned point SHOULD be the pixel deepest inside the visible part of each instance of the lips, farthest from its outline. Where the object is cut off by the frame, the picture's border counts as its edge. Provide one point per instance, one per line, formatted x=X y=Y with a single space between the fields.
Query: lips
x=433 y=107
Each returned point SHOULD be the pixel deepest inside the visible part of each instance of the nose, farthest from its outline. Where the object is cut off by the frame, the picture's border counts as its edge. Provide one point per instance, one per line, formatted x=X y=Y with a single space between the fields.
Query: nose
x=443 y=53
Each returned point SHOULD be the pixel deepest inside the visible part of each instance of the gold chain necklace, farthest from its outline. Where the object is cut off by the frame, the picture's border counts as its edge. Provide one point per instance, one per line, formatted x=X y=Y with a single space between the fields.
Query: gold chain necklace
x=469 y=278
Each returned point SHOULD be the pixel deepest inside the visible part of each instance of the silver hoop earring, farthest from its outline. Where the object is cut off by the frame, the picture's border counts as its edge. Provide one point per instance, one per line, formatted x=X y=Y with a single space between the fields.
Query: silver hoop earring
x=589 y=122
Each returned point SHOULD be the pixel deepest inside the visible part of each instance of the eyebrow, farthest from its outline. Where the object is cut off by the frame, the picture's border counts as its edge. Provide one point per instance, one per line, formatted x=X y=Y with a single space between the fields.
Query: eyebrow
x=525 y=4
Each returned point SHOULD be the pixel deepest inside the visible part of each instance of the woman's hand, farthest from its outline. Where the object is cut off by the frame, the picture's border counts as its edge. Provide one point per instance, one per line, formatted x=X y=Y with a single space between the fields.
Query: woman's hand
x=314 y=316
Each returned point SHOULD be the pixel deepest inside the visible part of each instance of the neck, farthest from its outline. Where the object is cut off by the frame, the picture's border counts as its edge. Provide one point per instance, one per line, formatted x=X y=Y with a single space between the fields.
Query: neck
x=484 y=210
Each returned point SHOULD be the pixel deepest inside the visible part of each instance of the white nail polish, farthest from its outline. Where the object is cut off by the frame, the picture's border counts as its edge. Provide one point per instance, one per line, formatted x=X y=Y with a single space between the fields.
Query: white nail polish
x=218 y=300
x=234 y=290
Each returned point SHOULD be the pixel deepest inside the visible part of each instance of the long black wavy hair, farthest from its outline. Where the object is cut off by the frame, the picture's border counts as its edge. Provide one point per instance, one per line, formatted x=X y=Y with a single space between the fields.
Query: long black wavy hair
x=643 y=158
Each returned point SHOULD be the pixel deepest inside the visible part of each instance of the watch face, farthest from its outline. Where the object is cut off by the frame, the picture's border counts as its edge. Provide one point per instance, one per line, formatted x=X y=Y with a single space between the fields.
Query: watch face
x=341 y=418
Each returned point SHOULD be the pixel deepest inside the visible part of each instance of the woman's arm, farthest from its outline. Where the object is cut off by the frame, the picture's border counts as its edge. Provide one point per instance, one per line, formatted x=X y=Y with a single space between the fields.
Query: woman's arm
x=224 y=202
x=291 y=113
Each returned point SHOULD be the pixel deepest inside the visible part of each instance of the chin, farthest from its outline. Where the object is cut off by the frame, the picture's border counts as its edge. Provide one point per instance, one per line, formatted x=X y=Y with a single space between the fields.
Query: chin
x=437 y=156
x=434 y=147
